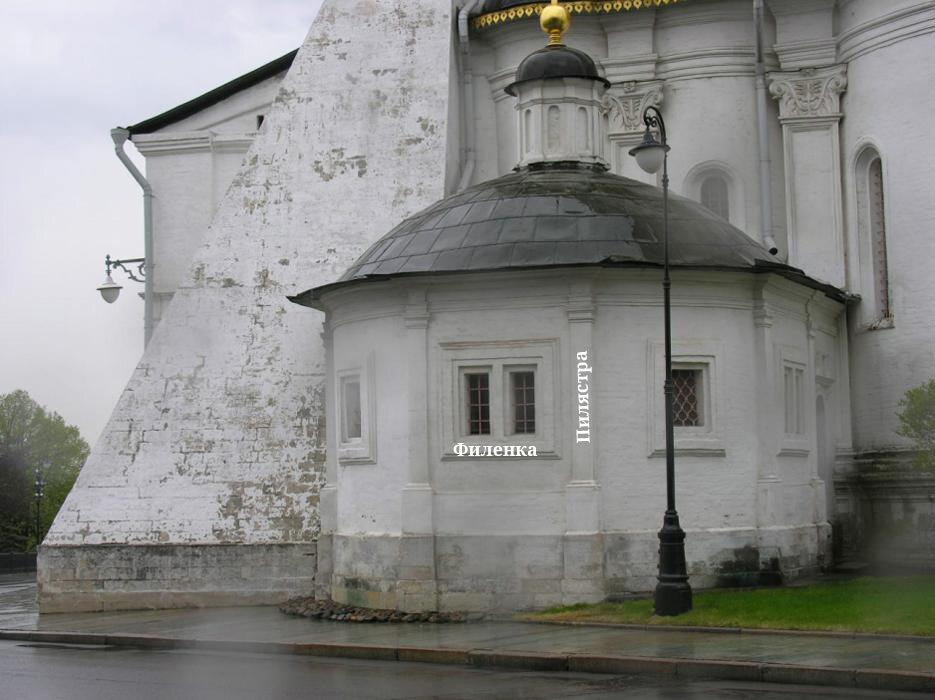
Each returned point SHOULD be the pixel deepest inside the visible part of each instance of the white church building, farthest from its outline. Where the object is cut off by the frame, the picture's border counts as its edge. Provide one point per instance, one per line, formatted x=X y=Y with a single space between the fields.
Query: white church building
x=472 y=418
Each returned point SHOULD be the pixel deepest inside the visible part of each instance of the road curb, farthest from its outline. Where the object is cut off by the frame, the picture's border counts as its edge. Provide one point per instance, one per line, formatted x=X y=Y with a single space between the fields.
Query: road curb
x=729 y=630
x=869 y=679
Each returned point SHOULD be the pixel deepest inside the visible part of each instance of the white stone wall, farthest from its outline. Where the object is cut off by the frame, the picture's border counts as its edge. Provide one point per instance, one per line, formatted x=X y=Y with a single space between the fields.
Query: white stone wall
x=888 y=47
x=219 y=434
x=498 y=526
x=190 y=164
x=702 y=57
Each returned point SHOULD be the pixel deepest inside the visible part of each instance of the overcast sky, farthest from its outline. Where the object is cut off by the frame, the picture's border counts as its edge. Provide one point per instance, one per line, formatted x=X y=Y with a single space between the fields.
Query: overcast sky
x=69 y=72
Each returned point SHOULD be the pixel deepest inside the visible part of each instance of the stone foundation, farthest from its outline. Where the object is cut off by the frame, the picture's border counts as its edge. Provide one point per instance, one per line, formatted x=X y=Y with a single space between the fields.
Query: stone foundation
x=885 y=513
x=490 y=573
x=123 y=577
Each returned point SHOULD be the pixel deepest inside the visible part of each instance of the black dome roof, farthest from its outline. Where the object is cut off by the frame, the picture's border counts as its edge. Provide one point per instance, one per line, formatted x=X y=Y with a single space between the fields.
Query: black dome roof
x=566 y=214
x=556 y=61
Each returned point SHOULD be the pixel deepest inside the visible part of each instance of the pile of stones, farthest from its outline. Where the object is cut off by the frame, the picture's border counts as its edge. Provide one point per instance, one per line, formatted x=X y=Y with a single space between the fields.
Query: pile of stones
x=329 y=610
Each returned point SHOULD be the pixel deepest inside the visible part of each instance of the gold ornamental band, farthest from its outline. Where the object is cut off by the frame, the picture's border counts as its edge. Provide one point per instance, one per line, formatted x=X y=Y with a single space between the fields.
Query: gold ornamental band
x=583 y=7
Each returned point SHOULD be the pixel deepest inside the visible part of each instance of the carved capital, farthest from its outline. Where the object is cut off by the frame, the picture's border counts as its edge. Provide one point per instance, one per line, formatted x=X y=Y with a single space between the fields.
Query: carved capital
x=624 y=104
x=810 y=92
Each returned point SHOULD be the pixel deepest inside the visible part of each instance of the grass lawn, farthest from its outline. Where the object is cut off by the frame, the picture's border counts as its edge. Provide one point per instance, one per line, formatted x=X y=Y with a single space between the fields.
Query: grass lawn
x=896 y=605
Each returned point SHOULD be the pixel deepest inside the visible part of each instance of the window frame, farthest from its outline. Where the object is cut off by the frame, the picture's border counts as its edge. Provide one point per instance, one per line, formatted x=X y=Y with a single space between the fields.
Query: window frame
x=876 y=308
x=509 y=405
x=794 y=444
x=500 y=358
x=736 y=203
x=705 y=440
x=701 y=409
x=363 y=449
x=710 y=177
x=465 y=399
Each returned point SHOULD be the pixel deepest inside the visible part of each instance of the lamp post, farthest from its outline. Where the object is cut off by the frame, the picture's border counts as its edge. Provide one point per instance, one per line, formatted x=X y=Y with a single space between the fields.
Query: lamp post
x=673 y=595
x=109 y=289
x=40 y=492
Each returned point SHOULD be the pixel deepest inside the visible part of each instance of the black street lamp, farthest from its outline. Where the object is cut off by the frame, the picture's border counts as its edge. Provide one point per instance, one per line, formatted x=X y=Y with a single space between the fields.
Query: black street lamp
x=673 y=595
x=40 y=492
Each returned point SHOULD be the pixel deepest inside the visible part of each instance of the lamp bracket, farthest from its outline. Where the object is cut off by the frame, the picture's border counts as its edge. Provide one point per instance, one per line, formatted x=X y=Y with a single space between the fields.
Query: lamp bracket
x=139 y=264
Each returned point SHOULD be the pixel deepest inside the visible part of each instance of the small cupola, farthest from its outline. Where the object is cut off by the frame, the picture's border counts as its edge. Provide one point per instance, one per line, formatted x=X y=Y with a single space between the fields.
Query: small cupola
x=558 y=93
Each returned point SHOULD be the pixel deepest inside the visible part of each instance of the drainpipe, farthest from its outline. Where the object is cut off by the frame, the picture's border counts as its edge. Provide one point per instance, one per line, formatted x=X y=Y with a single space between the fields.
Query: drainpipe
x=766 y=205
x=467 y=171
x=120 y=136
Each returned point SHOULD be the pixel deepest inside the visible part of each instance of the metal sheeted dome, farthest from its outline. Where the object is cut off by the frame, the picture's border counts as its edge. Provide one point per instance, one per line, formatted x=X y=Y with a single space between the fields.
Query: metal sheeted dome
x=557 y=61
x=560 y=215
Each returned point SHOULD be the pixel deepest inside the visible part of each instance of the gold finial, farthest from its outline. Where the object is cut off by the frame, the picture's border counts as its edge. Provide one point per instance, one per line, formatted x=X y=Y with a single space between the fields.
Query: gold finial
x=555 y=20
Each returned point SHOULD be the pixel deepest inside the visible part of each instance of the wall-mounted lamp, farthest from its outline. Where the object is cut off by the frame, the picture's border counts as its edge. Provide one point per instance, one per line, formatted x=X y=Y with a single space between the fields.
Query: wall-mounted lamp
x=109 y=289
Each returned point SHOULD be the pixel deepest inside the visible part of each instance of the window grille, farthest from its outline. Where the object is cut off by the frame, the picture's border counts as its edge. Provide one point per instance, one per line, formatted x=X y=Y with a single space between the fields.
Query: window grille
x=686 y=385
x=478 y=398
x=524 y=401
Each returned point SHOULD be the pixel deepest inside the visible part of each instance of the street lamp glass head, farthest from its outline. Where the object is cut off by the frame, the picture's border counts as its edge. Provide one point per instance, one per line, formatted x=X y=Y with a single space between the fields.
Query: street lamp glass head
x=109 y=289
x=649 y=154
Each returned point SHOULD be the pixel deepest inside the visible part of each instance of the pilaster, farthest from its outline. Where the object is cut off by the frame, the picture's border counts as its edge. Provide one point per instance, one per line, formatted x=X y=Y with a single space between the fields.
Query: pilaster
x=817 y=484
x=768 y=481
x=583 y=556
x=809 y=110
x=417 y=493
x=416 y=586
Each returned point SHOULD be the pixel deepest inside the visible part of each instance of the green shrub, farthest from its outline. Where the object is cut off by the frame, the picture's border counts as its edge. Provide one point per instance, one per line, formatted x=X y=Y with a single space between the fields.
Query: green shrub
x=917 y=422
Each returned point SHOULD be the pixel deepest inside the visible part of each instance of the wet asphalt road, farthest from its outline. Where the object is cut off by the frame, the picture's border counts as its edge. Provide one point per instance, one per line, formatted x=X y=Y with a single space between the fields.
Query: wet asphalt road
x=34 y=671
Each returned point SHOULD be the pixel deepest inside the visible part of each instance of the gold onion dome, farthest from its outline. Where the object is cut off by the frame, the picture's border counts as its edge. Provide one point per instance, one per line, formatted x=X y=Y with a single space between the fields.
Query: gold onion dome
x=555 y=21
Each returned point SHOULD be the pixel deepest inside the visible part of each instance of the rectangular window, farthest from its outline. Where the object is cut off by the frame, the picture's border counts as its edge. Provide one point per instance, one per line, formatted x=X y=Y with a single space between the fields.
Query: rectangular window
x=523 y=391
x=687 y=402
x=794 y=378
x=350 y=409
x=477 y=385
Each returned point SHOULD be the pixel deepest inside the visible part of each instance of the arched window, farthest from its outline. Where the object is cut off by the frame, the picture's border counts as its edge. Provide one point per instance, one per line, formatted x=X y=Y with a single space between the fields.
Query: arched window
x=714 y=195
x=871 y=222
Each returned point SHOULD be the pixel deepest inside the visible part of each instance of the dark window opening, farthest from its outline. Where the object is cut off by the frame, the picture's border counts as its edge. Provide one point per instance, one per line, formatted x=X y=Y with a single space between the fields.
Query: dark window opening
x=686 y=385
x=478 y=403
x=523 y=386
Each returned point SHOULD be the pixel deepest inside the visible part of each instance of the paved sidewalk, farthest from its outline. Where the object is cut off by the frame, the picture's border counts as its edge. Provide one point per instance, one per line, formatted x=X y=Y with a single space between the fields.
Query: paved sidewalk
x=861 y=661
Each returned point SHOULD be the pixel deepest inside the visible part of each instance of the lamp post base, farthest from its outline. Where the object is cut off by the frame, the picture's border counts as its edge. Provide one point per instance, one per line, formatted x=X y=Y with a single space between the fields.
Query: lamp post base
x=673 y=595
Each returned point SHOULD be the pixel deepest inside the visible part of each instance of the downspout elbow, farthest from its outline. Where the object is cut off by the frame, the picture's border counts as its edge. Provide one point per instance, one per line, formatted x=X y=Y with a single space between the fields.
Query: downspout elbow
x=120 y=137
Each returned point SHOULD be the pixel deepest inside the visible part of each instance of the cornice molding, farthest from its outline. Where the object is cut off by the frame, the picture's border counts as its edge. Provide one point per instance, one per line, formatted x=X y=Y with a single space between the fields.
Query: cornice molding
x=884 y=31
x=161 y=144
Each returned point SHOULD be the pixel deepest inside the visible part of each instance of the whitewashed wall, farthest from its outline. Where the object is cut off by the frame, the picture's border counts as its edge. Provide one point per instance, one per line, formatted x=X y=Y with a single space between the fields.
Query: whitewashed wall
x=888 y=48
x=219 y=436
x=497 y=527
